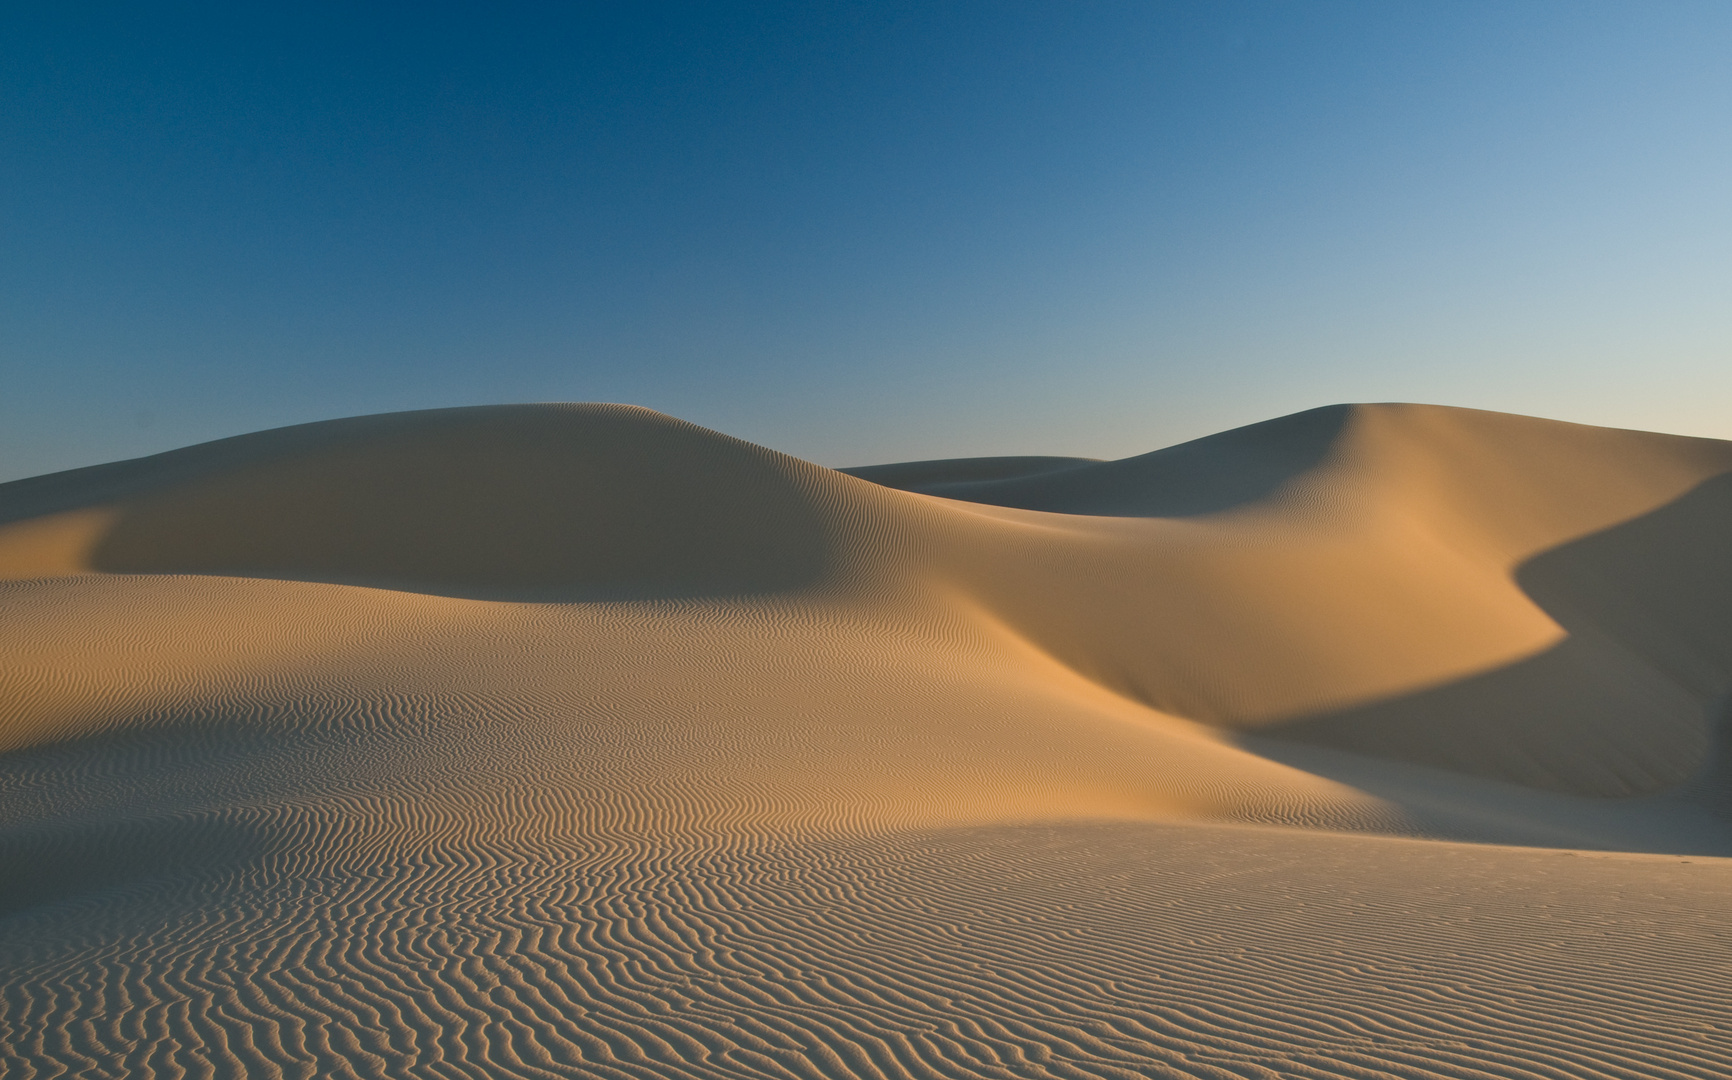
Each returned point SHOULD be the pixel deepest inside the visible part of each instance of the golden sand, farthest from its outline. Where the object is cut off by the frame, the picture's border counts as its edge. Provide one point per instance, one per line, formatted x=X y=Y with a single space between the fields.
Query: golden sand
x=582 y=741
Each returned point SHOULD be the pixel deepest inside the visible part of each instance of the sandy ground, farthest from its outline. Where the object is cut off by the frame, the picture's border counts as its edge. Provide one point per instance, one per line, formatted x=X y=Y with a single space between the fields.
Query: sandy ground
x=580 y=741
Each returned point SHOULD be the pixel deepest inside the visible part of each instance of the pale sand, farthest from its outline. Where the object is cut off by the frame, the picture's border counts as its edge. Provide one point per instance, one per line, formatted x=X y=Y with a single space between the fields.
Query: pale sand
x=581 y=741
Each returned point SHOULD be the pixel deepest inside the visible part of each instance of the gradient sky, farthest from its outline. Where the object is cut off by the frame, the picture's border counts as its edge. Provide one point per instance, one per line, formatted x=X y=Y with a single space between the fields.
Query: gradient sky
x=861 y=232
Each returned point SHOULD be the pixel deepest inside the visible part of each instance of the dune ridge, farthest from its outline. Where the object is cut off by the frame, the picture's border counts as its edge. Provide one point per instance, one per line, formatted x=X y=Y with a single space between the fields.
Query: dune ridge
x=580 y=740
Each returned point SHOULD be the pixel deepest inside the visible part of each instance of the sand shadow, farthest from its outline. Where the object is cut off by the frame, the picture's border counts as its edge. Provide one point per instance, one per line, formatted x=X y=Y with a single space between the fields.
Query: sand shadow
x=1630 y=703
x=1692 y=818
x=46 y=864
x=514 y=503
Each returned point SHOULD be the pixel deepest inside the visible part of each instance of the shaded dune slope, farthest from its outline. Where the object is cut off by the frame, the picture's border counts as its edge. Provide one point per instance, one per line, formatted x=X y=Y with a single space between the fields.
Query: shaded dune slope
x=536 y=502
x=1513 y=598
x=1207 y=475
x=963 y=478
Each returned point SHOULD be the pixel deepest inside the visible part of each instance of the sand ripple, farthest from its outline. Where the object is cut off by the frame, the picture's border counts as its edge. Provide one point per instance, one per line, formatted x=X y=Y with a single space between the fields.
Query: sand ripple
x=1101 y=951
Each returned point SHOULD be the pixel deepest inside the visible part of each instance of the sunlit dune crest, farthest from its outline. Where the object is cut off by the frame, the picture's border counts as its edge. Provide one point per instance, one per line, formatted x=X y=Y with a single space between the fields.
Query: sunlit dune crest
x=580 y=740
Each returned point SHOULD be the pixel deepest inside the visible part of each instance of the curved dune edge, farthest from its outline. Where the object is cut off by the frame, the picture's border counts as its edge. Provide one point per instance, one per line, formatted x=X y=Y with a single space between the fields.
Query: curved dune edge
x=1507 y=597
x=1516 y=599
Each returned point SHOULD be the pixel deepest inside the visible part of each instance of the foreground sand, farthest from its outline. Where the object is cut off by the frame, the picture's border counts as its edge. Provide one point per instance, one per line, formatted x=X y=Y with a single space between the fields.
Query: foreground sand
x=577 y=740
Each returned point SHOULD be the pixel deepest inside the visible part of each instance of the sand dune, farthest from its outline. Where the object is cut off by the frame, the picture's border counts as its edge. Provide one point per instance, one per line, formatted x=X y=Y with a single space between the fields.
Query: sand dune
x=579 y=740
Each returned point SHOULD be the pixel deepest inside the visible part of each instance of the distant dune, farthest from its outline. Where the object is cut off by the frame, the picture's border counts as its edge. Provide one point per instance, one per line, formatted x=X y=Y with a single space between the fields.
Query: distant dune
x=577 y=740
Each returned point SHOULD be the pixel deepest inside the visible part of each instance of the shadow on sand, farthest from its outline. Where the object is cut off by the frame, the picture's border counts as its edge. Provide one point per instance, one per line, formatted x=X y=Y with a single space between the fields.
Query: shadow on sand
x=1633 y=702
x=509 y=502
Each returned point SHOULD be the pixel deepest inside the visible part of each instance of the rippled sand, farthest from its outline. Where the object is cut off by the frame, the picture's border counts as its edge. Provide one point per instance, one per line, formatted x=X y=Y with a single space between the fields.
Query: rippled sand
x=581 y=741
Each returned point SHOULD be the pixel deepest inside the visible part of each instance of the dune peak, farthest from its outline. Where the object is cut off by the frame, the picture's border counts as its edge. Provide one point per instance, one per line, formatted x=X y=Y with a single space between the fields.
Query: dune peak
x=529 y=501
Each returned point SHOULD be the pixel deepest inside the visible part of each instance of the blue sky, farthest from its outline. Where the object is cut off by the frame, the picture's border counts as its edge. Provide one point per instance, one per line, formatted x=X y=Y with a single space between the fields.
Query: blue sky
x=861 y=232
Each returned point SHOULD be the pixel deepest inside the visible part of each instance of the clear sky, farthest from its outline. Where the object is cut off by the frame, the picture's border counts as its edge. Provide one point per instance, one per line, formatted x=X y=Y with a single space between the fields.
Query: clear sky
x=861 y=232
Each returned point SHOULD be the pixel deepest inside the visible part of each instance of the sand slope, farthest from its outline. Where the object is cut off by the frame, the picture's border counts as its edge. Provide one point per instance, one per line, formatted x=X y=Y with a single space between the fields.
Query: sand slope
x=578 y=740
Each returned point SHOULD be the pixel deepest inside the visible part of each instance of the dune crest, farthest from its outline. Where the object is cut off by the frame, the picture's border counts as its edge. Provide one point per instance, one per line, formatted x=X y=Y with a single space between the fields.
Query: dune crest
x=566 y=501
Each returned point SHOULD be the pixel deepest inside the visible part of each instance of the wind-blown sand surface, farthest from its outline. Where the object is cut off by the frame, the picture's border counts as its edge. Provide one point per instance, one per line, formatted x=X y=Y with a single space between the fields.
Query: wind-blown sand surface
x=581 y=741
